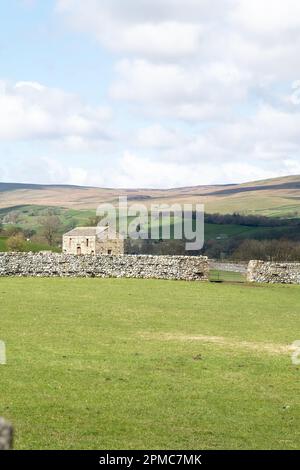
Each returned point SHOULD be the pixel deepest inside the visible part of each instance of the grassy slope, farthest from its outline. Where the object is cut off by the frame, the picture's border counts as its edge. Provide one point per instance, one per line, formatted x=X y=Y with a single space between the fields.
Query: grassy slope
x=112 y=364
x=215 y=230
x=274 y=197
x=271 y=205
x=30 y=217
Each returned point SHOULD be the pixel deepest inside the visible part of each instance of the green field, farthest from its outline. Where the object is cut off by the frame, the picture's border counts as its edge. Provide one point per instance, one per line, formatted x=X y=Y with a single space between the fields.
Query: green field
x=226 y=276
x=213 y=231
x=97 y=364
x=28 y=246
x=3 y=246
x=29 y=218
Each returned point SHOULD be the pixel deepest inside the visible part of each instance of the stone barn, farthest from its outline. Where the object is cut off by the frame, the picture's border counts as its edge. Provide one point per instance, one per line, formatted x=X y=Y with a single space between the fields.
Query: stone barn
x=92 y=241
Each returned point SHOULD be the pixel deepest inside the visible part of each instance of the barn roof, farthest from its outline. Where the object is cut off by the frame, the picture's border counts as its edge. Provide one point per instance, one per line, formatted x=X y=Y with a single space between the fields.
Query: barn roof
x=85 y=231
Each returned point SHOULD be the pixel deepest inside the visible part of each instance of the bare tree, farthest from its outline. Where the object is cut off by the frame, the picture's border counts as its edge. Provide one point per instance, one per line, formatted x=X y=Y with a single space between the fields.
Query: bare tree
x=268 y=250
x=50 y=228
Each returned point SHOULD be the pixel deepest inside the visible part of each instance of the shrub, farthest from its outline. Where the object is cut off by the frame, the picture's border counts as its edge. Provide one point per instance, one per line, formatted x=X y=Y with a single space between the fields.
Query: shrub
x=16 y=243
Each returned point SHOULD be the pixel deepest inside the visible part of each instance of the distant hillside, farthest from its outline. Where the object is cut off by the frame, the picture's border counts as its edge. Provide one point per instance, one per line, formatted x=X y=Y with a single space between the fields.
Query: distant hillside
x=19 y=186
x=273 y=197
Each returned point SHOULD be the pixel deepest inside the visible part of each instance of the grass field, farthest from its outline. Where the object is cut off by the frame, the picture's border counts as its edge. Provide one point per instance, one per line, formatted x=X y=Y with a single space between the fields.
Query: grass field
x=213 y=231
x=29 y=218
x=96 y=364
x=226 y=276
x=28 y=246
x=3 y=246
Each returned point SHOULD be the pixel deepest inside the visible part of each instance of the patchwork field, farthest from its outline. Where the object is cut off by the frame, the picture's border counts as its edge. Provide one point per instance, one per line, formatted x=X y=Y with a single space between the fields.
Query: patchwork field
x=96 y=364
x=29 y=218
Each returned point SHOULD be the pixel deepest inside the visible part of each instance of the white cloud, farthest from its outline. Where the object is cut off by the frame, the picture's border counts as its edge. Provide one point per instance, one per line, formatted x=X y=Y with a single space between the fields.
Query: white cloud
x=269 y=16
x=263 y=145
x=50 y=169
x=30 y=111
x=139 y=172
x=169 y=39
x=158 y=137
x=164 y=29
x=193 y=60
x=203 y=88
x=175 y=91
x=197 y=60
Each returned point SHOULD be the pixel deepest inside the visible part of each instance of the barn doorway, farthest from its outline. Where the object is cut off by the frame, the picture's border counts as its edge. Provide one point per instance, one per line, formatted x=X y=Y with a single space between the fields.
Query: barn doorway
x=79 y=250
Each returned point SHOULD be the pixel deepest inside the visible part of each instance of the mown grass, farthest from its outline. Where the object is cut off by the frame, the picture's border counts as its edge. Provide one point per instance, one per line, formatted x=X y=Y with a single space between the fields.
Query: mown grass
x=96 y=364
x=226 y=276
x=3 y=246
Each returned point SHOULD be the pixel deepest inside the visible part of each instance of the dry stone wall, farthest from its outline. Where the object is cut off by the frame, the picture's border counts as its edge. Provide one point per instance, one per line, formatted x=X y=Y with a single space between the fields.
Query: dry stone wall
x=191 y=268
x=274 y=273
x=6 y=435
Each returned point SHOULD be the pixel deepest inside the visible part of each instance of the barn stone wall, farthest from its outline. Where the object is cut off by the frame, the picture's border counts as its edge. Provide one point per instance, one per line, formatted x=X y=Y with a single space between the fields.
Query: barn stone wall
x=71 y=244
x=274 y=273
x=192 y=268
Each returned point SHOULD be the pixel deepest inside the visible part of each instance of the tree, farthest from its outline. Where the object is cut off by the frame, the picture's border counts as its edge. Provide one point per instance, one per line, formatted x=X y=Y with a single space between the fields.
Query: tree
x=268 y=250
x=29 y=232
x=50 y=228
x=94 y=220
x=11 y=230
x=16 y=242
x=71 y=224
x=13 y=217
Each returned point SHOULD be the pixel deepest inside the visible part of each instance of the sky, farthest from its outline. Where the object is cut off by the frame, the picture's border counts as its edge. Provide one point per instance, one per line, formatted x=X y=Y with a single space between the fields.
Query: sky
x=149 y=93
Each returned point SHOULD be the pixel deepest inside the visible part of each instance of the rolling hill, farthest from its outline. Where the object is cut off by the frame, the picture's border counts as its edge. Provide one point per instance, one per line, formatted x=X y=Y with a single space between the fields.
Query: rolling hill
x=274 y=197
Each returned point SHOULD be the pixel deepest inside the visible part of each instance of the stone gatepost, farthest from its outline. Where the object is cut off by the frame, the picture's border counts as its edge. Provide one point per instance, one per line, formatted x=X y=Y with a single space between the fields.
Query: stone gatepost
x=6 y=435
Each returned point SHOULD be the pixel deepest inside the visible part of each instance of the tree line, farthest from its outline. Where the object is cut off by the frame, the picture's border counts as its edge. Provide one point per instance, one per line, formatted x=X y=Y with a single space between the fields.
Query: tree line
x=282 y=244
x=250 y=220
x=50 y=229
